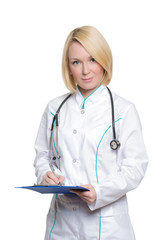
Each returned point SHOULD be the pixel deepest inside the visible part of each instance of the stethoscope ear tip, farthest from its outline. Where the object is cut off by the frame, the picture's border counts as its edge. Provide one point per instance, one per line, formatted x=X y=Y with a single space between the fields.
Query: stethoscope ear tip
x=115 y=144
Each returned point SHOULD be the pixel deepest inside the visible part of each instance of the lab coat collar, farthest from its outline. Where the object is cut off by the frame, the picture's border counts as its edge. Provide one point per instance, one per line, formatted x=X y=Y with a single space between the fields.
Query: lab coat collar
x=92 y=98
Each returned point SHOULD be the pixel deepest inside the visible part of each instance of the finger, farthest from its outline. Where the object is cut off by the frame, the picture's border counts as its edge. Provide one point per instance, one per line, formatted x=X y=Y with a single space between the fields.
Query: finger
x=49 y=181
x=87 y=196
x=80 y=192
x=61 y=179
x=52 y=178
x=81 y=195
x=57 y=179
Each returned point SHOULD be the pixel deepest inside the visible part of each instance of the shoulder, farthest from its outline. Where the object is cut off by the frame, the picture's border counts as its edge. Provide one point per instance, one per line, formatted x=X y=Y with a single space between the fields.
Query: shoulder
x=121 y=101
x=123 y=106
x=53 y=104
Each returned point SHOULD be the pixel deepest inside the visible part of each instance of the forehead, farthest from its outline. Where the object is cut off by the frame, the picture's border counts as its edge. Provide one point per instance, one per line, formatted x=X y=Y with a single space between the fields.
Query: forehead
x=76 y=50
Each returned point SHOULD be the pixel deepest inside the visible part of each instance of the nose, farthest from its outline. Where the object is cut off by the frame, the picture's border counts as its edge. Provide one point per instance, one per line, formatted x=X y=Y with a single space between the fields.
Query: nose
x=85 y=69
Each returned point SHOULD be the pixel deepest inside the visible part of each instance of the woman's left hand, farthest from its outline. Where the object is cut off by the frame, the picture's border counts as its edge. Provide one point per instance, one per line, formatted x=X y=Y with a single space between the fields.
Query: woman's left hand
x=87 y=196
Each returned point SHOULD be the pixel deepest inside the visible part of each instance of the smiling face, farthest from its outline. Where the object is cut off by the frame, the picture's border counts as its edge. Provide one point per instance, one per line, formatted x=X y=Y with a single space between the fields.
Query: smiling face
x=86 y=72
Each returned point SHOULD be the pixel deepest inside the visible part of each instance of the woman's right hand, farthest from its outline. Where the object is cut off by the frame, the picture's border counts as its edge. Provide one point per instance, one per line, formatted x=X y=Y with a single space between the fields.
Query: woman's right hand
x=50 y=179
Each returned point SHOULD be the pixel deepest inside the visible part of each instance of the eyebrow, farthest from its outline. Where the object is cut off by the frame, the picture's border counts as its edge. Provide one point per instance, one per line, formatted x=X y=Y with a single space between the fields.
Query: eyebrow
x=74 y=58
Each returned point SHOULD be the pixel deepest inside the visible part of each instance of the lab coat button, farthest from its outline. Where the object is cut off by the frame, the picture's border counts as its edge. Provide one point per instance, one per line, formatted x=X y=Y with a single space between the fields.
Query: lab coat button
x=82 y=111
x=74 y=131
x=74 y=160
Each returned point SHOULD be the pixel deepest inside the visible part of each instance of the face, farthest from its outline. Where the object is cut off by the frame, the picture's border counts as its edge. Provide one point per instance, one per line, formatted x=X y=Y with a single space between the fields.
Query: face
x=86 y=72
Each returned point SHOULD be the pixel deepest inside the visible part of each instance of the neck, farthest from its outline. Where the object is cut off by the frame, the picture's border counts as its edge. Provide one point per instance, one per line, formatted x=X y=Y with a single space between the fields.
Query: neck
x=87 y=92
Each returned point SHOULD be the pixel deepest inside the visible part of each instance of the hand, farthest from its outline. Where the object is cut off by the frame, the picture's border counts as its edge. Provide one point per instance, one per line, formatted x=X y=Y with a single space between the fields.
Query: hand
x=50 y=179
x=87 y=196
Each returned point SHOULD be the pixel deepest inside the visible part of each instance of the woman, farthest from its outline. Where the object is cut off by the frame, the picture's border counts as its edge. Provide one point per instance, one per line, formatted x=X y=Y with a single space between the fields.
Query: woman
x=84 y=138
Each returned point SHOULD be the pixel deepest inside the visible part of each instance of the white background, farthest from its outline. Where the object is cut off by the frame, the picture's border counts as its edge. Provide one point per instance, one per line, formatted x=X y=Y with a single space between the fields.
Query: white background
x=33 y=33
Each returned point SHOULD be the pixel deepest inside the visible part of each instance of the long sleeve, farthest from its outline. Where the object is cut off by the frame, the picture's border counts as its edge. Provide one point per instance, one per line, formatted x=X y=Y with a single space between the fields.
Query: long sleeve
x=132 y=162
x=42 y=145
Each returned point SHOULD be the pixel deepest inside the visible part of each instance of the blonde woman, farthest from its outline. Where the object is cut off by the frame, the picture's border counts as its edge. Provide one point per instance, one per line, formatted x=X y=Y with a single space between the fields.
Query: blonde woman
x=83 y=154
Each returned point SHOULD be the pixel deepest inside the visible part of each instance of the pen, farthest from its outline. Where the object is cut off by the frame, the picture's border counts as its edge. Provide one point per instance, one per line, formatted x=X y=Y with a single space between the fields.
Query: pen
x=53 y=170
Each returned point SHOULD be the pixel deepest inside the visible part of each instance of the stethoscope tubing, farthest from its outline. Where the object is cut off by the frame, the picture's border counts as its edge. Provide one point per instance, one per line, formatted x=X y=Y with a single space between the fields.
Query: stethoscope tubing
x=113 y=118
x=114 y=144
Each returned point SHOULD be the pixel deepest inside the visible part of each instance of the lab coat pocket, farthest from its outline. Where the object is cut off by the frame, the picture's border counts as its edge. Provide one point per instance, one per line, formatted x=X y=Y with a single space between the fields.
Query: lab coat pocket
x=51 y=217
x=118 y=207
x=117 y=227
x=50 y=223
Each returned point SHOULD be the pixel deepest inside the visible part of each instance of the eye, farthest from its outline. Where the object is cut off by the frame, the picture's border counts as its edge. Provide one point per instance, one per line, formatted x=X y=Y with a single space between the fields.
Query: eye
x=93 y=60
x=75 y=62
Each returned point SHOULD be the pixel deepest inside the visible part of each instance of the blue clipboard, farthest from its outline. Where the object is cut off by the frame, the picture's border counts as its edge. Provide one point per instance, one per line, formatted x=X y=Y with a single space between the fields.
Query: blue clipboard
x=54 y=189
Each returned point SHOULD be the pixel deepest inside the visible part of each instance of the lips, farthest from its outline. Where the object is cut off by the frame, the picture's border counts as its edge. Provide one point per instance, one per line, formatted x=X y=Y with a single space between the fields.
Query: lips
x=87 y=79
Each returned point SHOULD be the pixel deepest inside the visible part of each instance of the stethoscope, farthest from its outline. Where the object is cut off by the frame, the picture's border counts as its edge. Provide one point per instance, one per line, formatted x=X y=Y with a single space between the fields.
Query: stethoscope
x=114 y=144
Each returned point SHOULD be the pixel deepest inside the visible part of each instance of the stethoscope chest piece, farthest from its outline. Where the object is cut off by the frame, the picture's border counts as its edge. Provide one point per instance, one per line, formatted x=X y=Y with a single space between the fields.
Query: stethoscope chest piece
x=115 y=144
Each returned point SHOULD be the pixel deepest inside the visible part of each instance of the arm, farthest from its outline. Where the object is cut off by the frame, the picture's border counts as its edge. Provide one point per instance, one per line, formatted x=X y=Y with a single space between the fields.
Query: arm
x=132 y=162
x=42 y=145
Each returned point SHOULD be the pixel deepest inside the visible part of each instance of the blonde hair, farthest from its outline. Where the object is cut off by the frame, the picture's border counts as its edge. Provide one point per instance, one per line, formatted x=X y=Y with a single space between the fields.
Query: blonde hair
x=96 y=45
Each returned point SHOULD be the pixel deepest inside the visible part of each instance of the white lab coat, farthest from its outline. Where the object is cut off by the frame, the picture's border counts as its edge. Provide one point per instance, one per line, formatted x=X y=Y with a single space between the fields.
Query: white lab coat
x=85 y=133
